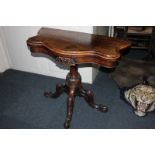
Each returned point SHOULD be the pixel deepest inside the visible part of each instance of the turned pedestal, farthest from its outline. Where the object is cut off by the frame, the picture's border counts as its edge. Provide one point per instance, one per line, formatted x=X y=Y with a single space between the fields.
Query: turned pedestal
x=73 y=87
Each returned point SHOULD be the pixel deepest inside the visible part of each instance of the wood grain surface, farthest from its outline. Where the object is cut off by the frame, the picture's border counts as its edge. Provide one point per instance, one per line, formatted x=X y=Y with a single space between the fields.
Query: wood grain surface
x=78 y=47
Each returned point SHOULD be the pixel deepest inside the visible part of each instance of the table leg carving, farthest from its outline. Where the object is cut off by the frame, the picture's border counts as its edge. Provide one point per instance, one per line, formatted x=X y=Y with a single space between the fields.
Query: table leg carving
x=74 y=87
x=70 y=105
x=59 y=90
x=89 y=97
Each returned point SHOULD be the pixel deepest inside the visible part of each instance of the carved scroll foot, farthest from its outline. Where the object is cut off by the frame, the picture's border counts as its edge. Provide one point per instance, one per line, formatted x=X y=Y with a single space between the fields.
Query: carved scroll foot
x=89 y=97
x=59 y=90
x=70 y=105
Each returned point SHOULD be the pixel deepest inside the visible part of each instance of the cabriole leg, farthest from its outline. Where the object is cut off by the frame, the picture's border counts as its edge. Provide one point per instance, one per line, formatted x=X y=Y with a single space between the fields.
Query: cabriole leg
x=89 y=97
x=70 y=106
x=59 y=90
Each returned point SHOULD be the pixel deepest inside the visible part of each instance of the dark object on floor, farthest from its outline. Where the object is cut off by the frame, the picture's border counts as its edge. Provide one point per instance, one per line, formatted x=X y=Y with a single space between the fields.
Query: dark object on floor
x=70 y=50
x=141 y=97
x=130 y=72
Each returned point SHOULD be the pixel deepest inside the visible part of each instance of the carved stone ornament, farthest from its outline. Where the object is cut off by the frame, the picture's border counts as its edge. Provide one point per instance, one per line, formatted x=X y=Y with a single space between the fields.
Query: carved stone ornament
x=66 y=61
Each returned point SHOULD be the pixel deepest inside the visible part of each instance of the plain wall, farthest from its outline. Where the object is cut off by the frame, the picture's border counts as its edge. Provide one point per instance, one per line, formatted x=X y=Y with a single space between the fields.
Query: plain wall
x=4 y=64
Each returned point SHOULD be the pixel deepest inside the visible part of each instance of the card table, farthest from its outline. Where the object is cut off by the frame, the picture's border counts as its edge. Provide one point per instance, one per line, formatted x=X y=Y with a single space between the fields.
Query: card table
x=70 y=49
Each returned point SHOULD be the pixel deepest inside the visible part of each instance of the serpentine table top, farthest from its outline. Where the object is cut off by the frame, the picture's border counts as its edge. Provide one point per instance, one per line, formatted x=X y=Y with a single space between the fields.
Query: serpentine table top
x=78 y=47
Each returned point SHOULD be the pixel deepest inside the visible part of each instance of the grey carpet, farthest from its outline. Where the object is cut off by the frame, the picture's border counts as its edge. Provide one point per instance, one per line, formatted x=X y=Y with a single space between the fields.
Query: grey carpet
x=23 y=106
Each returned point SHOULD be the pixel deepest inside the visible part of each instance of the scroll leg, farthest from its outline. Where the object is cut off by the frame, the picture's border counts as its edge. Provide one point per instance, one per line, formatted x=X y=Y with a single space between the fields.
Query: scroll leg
x=89 y=97
x=70 y=105
x=59 y=90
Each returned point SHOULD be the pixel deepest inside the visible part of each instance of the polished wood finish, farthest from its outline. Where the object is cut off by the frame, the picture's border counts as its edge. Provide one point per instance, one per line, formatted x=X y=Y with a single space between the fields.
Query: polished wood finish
x=78 y=47
x=73 y=48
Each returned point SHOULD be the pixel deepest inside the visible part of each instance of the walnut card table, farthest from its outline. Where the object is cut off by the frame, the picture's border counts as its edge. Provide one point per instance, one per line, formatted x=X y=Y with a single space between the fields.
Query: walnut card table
x=72 y=48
